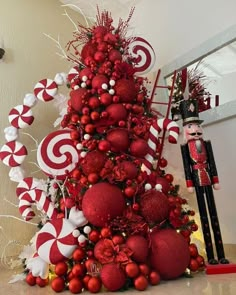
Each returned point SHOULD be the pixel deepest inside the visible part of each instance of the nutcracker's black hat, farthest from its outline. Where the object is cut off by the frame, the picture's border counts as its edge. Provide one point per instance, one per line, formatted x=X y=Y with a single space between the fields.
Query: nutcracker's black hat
x=189 y=111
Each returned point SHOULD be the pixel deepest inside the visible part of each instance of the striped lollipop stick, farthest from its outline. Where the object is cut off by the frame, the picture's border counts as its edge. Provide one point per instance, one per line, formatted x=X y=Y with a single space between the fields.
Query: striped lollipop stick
x=154 y=131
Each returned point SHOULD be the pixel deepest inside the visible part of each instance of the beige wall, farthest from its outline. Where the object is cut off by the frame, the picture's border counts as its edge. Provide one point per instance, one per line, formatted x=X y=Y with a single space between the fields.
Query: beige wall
x=30 y=57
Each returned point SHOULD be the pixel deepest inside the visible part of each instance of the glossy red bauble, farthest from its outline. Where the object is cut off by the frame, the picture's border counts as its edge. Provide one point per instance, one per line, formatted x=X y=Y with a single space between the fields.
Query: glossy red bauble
x=193 y=250
x=30 y=279
x=94 y=102
x=193 y=265
x=42 y=282
x=141 y=283
x=104 y=146
x=78 y=254
x=144 y=269
x=106 y=98
x=154 y=278
x=116 y=112
x=94 y=235
x=75 y=286
x=61 y=268
x=169 y=177
x=78 y=270
x=132 y=270
x=58 y=284
x=94 y=285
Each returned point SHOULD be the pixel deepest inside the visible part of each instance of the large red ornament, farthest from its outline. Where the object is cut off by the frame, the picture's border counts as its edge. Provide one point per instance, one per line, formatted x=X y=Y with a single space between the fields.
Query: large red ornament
x=139 y=148
x=114 y=55
x=93 y=162
x=77 y=98
x=169 y=254
x=154 y=206
x=88 y=49
x=126 y=90
x=119 y=139
x=139 y=246
x=116 y=112
x=130 y=169
x=85 y=72
x=113 y=277
x=102 y=203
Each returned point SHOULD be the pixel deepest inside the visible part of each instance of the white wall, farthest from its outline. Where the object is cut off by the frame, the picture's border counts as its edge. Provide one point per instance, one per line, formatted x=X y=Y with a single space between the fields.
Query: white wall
x=175 y=27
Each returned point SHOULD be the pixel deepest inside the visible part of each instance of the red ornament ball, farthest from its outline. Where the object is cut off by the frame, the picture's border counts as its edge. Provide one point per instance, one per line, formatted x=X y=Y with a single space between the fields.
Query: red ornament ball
x=102 y=202
x=132 y=270
x=114 y=55
x=75 y=285
x=164 y=183
x=169 y=253
x=116 y=112
x=126 y=90
x=141 y=283
x=61 y=268
x=106 y=98
x=42 y=282
x=154 y=206
x=154 y=278
x=139 y=246
x=85 y=72
x=169 y=177
x=30 y=279
x=119 y=139
x=113 y=277
x=93 y=162
x=94 y=285
x=77 y=98
x=58 y=284
x=139 y=148
x=88 y=50
x=98 y=80
x=129 y=168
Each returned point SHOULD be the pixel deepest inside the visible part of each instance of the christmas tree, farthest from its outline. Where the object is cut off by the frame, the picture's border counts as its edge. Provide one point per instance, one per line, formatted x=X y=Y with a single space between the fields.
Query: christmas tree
x=113 y=218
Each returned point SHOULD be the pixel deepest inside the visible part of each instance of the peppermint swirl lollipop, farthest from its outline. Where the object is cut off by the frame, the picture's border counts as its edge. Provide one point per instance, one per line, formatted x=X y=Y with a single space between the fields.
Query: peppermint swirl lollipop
x=144 y=54
x=57 y=155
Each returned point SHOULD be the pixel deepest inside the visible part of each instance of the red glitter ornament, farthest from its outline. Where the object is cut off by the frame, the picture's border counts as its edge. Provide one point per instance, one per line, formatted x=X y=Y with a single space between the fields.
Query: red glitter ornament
x=116 y=112
x=154 y=206
x=164 y=183
x=102 y=203
x=88 y=50
x=77 y=98
x=93 y=162
x=169 y=254
x=126 y=90
x=98 y=80
x=119 y=139
x=113 y=277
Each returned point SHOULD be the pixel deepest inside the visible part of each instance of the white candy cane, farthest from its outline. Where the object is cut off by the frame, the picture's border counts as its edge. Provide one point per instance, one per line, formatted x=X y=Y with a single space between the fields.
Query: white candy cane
x=41 y=199
x=155 y=129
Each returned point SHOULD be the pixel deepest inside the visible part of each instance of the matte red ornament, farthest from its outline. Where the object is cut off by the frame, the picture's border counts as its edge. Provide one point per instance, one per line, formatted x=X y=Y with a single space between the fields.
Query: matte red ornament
x=77 y=98
x=102 y=203
x=139 y=148
x=85 y=72
x=114 y=55
x=169 y=253
x=88 y=50
x=130 y=169
x=93 y=162
x=116 y=112
x=154 y=206
x=126 y=90
x=139 y=246
x=98 y=80
x=106 y=98
x=119 y=139
x=113 y=277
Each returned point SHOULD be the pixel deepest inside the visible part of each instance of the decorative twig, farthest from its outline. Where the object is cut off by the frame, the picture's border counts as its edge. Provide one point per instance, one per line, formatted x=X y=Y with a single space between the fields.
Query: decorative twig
x=63 y=55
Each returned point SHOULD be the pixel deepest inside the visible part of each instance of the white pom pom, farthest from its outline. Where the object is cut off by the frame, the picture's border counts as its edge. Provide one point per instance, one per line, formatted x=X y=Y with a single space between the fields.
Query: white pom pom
x=76 y=233
x=11 y=133
x=84 y=78
x=104 y=86
x=16 y=174
x=79 y=146
x=83 y=85
x=111 y=91
x=83 y=154
x=158 y=187
x=76 y=87
x=87 y=136
x=59 y=79
x=30 y=100
x=87 y=229
x=112 y=82
x=81 y=239
x=147 y=186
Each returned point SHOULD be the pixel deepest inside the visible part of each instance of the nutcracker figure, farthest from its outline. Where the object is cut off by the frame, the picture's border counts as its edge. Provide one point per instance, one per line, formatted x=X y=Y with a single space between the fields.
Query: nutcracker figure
x=201 y=174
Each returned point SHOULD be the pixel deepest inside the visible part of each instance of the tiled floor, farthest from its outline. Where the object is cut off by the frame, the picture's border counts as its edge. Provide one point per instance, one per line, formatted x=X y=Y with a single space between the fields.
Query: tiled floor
x=223 y=284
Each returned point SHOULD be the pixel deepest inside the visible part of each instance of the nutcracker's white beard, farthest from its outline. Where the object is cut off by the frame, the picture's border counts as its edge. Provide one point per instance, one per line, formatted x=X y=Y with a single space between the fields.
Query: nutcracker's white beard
x=198 y=145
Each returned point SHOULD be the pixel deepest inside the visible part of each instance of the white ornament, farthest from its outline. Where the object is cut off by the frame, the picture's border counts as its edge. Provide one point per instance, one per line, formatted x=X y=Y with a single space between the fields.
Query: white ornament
x=104 y=86
x=79 y=146
x=76 y=233
x=81 y=239
x=87 y=229
x=158 y=187
x=30 y=100
x=83 y=85
x=87 y=136
x=11 y=133
x=147 y=186
x=84 y=78
x=76 y=87
x=112 y=82
x=83 y=154
x=59 y=79
x=111 y=91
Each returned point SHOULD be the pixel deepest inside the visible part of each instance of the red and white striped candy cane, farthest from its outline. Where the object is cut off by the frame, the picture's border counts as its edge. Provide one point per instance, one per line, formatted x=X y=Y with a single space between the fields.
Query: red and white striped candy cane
x=155 y=129
x=36 y=196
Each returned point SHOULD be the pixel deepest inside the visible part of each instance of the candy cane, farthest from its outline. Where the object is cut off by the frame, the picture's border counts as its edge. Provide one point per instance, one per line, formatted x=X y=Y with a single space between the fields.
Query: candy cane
x=155 y=129
x=35 y=196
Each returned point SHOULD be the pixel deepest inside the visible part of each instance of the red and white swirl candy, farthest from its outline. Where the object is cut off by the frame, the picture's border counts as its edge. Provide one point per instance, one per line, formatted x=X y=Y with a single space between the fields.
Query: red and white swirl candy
x=55 y=241
x=27 y=184
x=155 y=129
x=73 y=73
x=144 y=54
x=57 y=155
x=21 y=116
x=45 y=90
x=13 y=153
x=26 y=200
